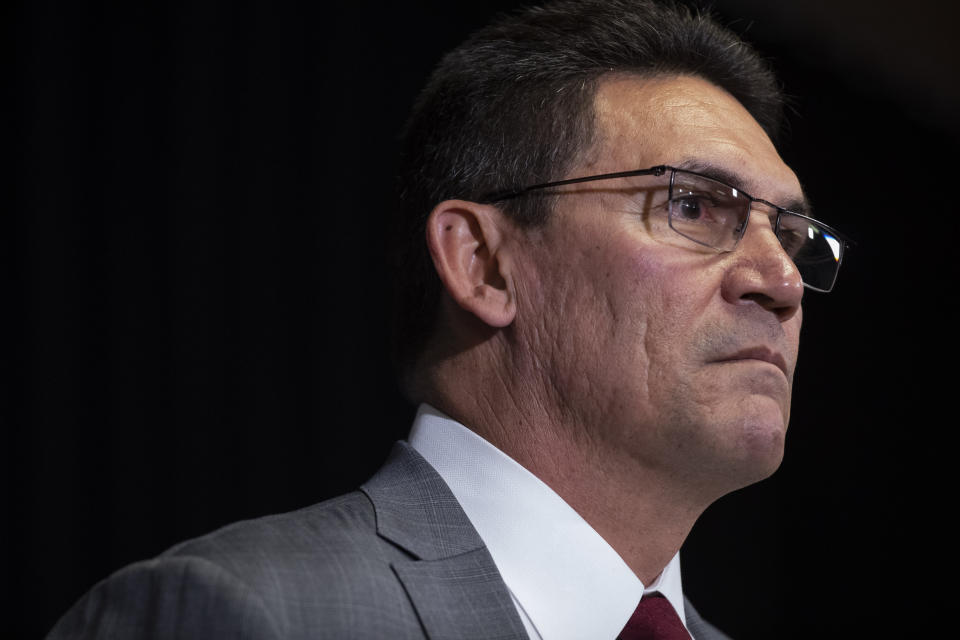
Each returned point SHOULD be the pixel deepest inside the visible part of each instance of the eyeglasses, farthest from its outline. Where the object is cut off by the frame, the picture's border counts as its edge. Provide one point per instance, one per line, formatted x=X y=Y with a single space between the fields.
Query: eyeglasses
x=715 y=214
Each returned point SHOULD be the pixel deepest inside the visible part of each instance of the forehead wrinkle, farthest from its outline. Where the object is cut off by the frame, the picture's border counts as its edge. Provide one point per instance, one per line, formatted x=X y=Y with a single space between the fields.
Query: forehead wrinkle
x=645 y=122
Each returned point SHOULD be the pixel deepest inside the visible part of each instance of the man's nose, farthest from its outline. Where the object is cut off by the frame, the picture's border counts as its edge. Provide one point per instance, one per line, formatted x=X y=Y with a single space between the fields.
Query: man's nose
x=761 y=272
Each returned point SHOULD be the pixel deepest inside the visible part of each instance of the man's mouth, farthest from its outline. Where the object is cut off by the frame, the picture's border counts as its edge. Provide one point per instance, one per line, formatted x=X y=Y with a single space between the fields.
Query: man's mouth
x=760 y=353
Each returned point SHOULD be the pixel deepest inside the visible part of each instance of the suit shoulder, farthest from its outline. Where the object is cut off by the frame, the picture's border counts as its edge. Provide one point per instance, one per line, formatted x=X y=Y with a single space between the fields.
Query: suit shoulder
x=167 y=598
x=335 y=542
x=279 y=575
x=346 y=520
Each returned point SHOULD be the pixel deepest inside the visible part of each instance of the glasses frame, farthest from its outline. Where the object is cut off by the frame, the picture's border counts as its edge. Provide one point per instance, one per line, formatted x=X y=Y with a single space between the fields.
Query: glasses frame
x=662 y=169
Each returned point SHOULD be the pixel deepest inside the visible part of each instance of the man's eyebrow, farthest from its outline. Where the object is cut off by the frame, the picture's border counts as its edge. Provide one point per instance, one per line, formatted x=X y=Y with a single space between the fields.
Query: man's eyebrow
x=799 y=205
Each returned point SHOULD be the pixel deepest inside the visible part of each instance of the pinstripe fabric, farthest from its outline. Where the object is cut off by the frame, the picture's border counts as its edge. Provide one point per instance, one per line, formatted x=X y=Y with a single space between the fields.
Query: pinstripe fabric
x=397 y=560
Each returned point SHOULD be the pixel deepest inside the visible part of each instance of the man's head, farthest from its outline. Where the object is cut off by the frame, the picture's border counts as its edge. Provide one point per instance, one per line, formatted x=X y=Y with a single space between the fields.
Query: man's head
x=666 y=351
x=597 y=310
x=513 y=106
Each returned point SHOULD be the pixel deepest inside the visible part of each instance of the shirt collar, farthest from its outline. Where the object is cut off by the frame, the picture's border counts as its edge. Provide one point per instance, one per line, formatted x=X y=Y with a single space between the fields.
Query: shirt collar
x=566 y=578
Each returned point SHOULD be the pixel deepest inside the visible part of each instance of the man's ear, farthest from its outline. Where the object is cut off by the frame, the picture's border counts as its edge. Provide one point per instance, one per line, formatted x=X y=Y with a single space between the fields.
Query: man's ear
x=466 y=241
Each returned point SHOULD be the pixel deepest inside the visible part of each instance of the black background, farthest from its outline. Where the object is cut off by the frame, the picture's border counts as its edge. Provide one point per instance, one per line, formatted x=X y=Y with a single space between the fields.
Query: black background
x=198 y=297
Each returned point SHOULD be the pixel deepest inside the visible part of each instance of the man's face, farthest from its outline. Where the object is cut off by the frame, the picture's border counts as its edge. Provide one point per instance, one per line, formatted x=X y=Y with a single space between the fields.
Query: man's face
x=661 y=352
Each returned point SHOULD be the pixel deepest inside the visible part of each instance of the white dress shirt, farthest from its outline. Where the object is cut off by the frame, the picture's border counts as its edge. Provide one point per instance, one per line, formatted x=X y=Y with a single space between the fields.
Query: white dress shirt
x=565 y=580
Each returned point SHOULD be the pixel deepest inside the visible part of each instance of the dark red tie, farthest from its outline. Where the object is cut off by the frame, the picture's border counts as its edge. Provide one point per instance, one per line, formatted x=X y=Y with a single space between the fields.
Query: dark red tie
x=654 y=619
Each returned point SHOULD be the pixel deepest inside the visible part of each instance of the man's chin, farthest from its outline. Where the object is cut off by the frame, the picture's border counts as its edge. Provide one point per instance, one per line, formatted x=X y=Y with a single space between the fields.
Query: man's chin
x=761 y=448
x=752 y=444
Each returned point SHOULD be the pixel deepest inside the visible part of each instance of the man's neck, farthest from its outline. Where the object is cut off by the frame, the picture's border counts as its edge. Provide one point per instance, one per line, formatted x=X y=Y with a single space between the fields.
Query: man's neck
x=643 y=520
x=639 y=513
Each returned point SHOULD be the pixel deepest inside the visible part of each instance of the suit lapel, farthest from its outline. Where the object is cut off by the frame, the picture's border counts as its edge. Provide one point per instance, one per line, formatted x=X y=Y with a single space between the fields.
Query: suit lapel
x=461 y=597
x=699 y=628
x=451 y=580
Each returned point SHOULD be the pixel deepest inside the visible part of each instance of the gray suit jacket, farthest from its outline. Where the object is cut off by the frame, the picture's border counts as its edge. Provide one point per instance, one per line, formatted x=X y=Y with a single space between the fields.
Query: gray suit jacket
x=397 y=559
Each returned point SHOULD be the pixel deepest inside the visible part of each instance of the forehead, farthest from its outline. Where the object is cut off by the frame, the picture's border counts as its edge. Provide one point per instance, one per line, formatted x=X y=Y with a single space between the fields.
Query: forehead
x=686 y=121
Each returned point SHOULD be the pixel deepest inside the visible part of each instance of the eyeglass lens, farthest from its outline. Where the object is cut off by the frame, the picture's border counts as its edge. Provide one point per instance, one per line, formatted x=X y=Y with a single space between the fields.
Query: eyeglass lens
x=713 y=214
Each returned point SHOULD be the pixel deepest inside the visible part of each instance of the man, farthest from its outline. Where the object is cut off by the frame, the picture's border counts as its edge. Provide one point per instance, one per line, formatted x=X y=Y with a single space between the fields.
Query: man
x=600 y=327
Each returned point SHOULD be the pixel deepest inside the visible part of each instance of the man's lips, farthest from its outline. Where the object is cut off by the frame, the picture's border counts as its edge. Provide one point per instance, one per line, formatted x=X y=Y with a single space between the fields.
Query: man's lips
x=763 y=354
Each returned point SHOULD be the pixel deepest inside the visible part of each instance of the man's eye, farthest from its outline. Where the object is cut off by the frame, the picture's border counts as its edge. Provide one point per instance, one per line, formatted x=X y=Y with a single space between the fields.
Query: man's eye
x=792 y=241
x=692 y=209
